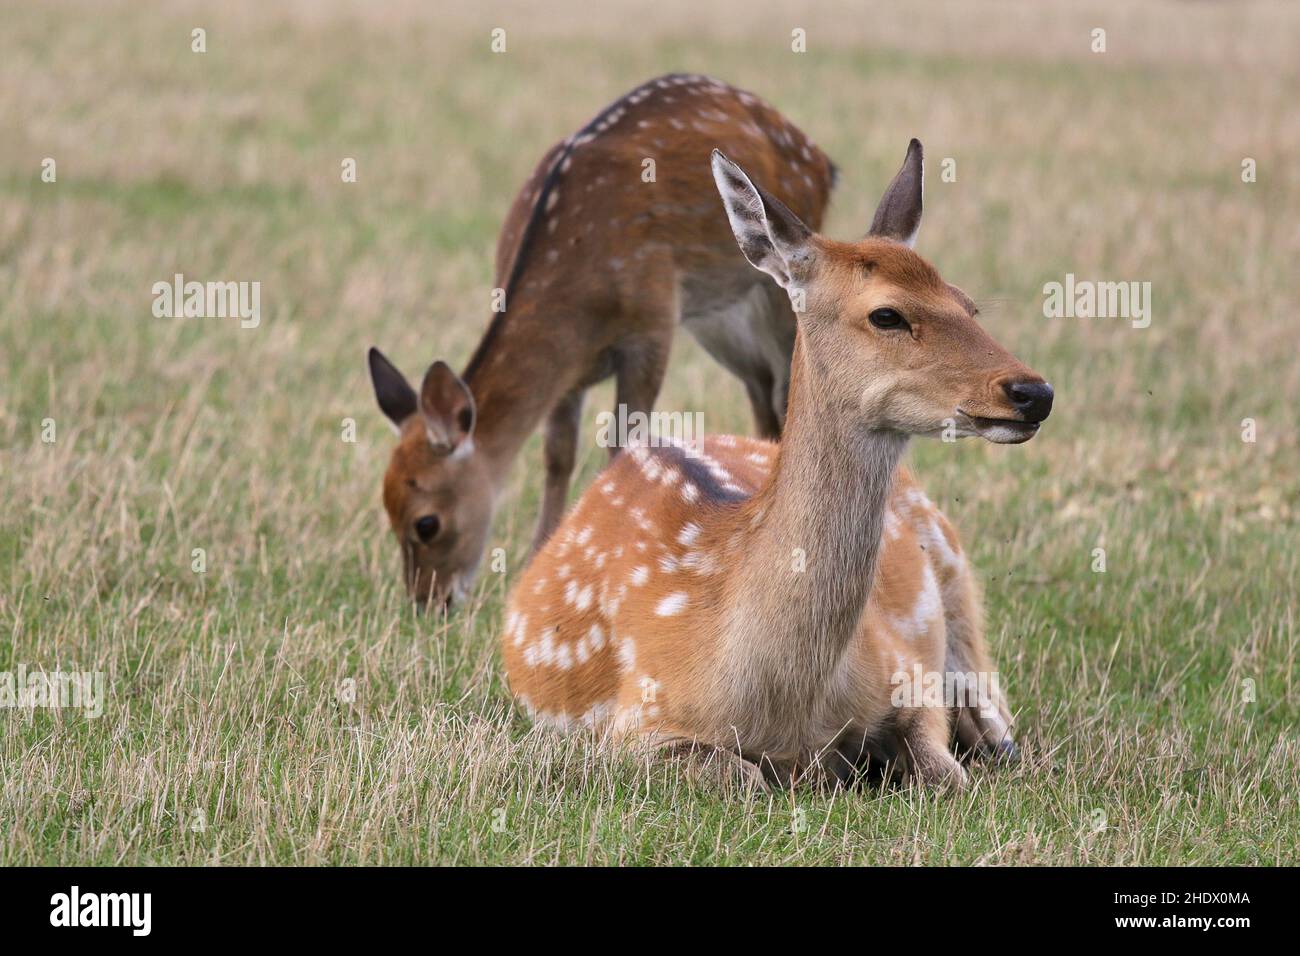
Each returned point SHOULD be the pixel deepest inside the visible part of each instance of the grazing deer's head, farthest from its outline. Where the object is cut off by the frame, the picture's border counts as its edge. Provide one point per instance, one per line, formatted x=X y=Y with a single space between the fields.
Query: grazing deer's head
x=438 y=491
x=880 y=324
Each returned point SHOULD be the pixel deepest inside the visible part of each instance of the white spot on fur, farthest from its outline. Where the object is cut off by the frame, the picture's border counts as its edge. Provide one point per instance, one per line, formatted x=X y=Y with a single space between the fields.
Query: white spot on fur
x=927 y=608
x=672 y=604
x=948 y=555
x=546 y=646
x=627 y=654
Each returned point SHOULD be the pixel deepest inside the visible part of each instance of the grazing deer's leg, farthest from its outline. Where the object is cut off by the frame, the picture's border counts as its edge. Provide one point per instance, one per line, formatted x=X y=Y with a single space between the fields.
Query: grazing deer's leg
x=759 y=386
x=640 y=369
x=752 y=336
x=782 y=322
x=560 y=450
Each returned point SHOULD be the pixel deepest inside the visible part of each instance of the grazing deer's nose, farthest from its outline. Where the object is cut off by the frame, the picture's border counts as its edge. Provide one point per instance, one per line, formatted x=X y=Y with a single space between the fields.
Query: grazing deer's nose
x=1032 y=399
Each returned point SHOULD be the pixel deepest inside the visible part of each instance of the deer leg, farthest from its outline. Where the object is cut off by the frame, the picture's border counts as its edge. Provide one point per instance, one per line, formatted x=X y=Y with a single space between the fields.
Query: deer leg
x=640 y=369
x=759 y=388
x=981 y=726
x=923 y=735
x=559 y=449
x=781 y=329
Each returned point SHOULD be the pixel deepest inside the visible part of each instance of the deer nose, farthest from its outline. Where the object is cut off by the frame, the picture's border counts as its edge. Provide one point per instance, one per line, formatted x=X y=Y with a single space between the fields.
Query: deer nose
x=1032 y=399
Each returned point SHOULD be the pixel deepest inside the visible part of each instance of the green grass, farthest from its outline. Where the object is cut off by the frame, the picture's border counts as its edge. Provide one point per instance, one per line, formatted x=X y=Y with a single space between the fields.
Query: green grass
x=228 y=735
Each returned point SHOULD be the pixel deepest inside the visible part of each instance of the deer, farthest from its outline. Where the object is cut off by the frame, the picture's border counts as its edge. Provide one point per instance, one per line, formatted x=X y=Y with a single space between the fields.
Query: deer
x=611 y=244
x=750 y=607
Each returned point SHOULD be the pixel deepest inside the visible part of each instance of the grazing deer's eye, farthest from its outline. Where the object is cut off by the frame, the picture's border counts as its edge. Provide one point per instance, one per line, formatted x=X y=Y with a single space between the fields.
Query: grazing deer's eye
x=887 y=319
x=427 y=527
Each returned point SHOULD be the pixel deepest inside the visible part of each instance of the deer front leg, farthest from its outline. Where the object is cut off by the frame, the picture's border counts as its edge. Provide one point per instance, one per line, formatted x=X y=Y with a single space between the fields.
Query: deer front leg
x=985 y=729
x=982 y=725
x=559 y=449
x=923 y=735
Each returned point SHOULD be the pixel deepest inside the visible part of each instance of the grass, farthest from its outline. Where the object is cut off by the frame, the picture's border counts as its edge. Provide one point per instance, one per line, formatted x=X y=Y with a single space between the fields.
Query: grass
x=1157 y=703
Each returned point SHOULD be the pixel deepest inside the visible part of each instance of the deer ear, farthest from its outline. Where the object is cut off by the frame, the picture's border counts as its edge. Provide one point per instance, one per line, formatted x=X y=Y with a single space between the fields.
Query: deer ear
x=447 y=407
x=395 y=396
x=899 y=214
x=772 y=238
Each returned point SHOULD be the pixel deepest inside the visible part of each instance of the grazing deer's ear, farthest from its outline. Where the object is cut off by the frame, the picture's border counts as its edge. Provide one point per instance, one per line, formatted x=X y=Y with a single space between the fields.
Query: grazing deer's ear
x=899 y=214
x=448 y=409
x=395 y=396
x=772 y=237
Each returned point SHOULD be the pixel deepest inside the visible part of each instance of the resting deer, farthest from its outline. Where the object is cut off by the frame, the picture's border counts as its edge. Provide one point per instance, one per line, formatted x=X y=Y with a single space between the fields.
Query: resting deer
x=761 y=599
x=598 y=266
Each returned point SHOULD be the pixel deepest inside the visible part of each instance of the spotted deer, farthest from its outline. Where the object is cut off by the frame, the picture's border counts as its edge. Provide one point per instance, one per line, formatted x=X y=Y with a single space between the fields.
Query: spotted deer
x=760 y=601
x=614 y=241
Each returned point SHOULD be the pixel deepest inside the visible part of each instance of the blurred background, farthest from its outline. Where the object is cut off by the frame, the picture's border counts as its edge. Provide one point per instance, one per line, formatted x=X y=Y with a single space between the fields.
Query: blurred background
x=1161 y=691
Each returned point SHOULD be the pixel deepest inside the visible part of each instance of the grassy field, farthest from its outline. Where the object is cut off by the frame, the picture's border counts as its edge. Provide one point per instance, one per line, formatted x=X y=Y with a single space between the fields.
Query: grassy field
x=1157 y=703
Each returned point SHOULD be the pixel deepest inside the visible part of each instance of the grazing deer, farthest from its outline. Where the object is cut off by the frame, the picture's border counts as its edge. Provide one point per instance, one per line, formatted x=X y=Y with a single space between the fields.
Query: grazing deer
x=760 y=600
x=613 y=241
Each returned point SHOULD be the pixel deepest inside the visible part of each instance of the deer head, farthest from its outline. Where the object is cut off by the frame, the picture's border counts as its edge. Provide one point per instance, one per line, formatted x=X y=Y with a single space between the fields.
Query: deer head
x=438 y=491
x=887 y=342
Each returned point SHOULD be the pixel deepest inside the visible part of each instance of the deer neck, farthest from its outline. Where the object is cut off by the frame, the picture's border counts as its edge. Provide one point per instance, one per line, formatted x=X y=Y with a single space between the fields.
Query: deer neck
x=810 y=550
x=516 y=376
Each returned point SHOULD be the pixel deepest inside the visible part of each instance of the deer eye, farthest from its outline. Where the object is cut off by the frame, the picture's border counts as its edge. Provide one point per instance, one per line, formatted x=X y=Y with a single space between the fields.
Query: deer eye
x=427 y=527
x=887 y=319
